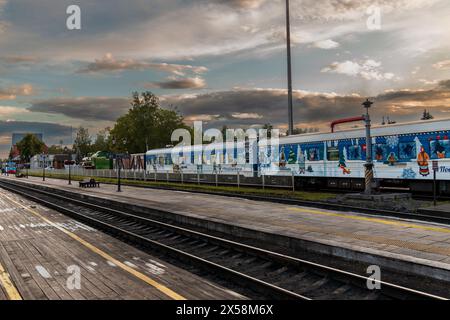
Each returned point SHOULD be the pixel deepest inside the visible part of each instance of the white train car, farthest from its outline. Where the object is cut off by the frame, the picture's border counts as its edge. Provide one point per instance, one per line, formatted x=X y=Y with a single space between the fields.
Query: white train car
x=403 y=155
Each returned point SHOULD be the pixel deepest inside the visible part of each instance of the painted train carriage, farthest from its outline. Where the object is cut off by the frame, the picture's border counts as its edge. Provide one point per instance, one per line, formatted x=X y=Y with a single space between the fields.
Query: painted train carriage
x=214 y=158
x=403 y=155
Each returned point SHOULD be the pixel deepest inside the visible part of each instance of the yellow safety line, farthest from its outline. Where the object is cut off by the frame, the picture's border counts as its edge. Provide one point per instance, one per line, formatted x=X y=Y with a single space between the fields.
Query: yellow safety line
x=376 y=220
x=106 y=256
x=6 y=283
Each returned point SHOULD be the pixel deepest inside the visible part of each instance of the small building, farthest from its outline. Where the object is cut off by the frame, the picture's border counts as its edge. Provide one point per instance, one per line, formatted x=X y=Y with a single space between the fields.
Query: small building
x=38 y=161
x=59 y=159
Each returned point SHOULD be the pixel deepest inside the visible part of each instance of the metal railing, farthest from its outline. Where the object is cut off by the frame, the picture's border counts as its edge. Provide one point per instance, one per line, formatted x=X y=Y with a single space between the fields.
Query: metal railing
x=214 y=178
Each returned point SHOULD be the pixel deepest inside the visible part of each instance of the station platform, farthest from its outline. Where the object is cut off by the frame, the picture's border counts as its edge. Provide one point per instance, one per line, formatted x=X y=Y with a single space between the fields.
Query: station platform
x=45 y=255
x=413 y=247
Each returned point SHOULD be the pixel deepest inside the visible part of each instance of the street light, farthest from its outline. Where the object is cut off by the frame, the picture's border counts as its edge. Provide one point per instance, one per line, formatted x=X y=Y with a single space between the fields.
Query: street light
x=369 y=162
x=289 y=70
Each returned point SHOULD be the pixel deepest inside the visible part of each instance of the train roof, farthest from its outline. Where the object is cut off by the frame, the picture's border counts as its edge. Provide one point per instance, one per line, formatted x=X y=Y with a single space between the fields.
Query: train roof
x=380 y=130
x=386 y=130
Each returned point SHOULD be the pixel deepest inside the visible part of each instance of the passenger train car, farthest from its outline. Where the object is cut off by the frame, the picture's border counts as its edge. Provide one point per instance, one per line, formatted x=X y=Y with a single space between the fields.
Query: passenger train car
x=403 y=155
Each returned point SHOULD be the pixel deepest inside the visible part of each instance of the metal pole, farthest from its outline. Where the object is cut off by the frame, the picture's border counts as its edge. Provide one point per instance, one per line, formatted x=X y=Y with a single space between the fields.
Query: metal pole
x=43 y=168
x=293 y=182
x=434 y=187
x=289 y=69
x=70 y=177
x=263 y=181
x=238 y=179
x=369 y=162
x=119 y=187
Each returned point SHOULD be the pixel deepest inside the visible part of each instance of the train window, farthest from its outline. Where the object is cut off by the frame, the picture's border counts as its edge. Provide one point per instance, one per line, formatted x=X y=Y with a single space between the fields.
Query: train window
x=313 y=154
x=440 y=149
x=354 y=153
x=168 y=159
x=407 y=150
x=380 y=152
x=333 y=154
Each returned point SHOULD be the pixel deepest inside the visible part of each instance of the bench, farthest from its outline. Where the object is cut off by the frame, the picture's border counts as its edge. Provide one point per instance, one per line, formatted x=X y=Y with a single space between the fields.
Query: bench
x=91 y=183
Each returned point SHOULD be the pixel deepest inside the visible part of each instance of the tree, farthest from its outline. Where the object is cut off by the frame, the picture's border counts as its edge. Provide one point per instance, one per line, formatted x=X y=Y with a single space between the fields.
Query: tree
x=55 y=149
x=30 y=146
x=82 y=143
x=102 y=141
x=146 y=125
x=58 y=149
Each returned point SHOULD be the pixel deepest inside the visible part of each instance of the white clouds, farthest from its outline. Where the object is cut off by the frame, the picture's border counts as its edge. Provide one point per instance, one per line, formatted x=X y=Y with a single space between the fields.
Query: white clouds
x=368 y=69
x=12 y=92
x=8 y=111
x=352 y=9
x=110 y=64
x=326 y=44
x=192 y=28
x=442 y=65
x=246 y=115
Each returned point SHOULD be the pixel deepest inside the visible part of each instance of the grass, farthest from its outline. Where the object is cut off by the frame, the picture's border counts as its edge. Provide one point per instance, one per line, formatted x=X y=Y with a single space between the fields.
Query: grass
x=282 y=193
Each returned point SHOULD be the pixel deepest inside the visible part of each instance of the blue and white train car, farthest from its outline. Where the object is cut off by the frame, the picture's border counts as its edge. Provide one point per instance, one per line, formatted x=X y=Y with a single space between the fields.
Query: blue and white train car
x=225 y=158
x=403 y=155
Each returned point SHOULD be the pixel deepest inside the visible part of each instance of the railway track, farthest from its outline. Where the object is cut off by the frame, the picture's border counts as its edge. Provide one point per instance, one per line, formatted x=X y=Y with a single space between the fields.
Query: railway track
x=318 y=204
x=270 y=274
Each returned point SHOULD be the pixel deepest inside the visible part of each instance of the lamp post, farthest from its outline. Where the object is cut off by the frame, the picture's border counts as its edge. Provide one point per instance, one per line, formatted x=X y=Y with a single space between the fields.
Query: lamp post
x=289 y=70
x=369 y=162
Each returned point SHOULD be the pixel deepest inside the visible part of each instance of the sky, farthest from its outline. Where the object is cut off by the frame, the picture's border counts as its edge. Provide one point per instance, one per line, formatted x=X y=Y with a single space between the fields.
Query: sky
x=219 y=61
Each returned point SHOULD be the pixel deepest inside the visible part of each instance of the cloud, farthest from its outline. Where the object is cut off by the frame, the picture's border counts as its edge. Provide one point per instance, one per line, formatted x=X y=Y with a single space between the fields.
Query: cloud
x=110 y=64
x=311 y=109
x=352 y=9
x=175 y=30
x=17 y=59
x=246 y=115
x=9 y=111
x=12 y=92
x=187 y=83
x=442 y=65
x=326 y=44
x=85 y=108
x=368 y=69
x=261 y=106
x=244 y=4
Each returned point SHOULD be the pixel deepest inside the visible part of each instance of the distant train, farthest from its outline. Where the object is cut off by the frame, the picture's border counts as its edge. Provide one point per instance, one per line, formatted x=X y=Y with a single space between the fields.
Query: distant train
x=403 y=156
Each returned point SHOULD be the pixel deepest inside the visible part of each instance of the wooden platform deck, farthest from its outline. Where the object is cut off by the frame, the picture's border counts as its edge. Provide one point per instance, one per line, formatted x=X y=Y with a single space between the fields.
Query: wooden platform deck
x=41 y=252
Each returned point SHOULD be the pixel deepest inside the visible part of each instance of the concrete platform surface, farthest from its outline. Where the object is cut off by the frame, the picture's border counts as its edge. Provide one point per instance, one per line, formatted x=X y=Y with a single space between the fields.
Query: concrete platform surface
x=349 y=235
x=46 y=255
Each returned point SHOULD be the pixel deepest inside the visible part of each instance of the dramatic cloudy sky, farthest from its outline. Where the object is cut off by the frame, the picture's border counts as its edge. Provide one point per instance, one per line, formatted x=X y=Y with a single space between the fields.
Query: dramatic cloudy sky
x=220 y=61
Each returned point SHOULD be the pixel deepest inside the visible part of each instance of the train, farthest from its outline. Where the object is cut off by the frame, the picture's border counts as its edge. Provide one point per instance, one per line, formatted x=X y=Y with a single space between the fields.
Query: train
x=405 y=155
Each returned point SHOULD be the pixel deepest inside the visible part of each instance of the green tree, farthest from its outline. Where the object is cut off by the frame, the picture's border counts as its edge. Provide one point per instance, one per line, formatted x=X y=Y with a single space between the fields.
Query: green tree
x=145 y=126
x=82 y=143
x=30 y=146
x=55 y=149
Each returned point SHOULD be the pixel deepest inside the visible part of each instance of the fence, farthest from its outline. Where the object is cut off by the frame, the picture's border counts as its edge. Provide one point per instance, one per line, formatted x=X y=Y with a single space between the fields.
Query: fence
x=238 y=179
